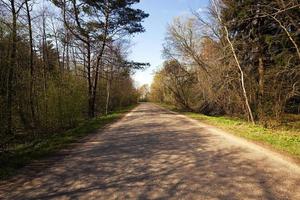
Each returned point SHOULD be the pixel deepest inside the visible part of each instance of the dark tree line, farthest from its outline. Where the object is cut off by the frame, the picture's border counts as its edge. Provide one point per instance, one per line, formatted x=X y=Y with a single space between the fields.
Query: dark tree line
x=61 y=62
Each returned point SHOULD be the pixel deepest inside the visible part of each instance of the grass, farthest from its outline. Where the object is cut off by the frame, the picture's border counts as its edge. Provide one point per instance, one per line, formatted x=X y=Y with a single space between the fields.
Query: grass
x=285 y=138
x=292 y=121
x=23 y=155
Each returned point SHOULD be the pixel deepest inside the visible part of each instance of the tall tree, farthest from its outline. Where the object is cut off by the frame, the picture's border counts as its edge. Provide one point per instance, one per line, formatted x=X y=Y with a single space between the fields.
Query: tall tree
x=31 y=64
x=97 y=22
x=255 y=27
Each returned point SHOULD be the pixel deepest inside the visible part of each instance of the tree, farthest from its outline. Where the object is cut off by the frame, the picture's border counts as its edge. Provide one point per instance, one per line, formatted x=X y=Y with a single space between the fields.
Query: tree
x=183 y=42
x=269 y=43
x=243 y=58
x=233 y=49
x=50 y=68
x=179 y=81
x=157 y=91
x=97 y=23
x=28 y=10
x=144 y=92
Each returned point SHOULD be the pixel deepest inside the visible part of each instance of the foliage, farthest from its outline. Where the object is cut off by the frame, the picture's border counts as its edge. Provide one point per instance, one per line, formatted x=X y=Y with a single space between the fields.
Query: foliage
x=144 y=92
x=255 y=67
x=61 y=63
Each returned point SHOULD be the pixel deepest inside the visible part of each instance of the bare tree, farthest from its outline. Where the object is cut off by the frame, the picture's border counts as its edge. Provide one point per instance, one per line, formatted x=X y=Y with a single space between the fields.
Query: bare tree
x=217 y=12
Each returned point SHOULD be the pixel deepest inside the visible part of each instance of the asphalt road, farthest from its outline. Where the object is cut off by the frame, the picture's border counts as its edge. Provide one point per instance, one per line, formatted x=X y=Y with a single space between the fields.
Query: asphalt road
x=155 y=154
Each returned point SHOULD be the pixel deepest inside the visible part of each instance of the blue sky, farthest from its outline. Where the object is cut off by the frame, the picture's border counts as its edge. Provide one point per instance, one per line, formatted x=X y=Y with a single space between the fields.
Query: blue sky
x=147 y=46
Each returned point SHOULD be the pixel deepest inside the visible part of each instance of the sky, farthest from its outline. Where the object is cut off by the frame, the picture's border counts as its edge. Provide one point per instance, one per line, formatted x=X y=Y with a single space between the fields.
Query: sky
x=147 y=46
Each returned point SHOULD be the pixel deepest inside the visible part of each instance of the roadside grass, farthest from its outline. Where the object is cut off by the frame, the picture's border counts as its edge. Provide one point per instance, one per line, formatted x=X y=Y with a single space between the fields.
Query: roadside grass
x=23 y=155
x=284 y=138
x=292 y=121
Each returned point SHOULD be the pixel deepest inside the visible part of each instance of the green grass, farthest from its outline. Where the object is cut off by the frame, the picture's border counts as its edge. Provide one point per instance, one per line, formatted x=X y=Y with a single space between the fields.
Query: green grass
x=23 y=155
x=285 y=138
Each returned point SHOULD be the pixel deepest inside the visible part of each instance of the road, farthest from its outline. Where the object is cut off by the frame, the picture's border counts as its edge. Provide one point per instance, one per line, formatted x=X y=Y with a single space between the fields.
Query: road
x=155 y=154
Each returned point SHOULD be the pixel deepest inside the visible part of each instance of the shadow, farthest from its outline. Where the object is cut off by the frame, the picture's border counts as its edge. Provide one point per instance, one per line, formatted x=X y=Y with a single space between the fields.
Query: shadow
x=153 y=154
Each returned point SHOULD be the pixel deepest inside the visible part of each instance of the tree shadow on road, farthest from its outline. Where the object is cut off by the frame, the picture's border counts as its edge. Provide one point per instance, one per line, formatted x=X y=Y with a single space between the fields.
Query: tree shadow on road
x=151 y=160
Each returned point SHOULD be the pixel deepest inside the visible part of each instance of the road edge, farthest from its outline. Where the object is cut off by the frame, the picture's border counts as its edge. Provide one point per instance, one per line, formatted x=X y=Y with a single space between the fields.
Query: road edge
x=270 y=153
x=31 y=169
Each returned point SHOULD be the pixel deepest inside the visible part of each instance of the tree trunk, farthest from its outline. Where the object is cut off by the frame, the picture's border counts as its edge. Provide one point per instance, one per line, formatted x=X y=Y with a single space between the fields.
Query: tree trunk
x=13 y=56
x=74 y=61
x=45 y=66
x=91 y=110
x=68 y=53
x=242 y=76
x=99 y=58
x=107 y=96
x=31 y=86
x=261 y=86
x=237 y=62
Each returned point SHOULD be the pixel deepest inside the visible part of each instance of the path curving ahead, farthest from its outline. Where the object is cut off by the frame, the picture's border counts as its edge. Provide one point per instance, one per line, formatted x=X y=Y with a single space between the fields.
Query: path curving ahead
x=155 y=154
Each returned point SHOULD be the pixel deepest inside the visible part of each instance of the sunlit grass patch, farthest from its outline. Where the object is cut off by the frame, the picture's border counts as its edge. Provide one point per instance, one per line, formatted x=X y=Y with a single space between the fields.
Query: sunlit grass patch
x=283 y=139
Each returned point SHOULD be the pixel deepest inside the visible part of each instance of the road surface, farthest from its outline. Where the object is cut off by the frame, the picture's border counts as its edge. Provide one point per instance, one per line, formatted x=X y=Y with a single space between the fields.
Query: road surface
x=155 y=154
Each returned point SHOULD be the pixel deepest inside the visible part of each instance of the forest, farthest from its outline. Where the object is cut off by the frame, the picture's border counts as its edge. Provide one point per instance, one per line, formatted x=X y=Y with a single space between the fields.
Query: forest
x=81 y=119
x=63 y=62
x=237 y=58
